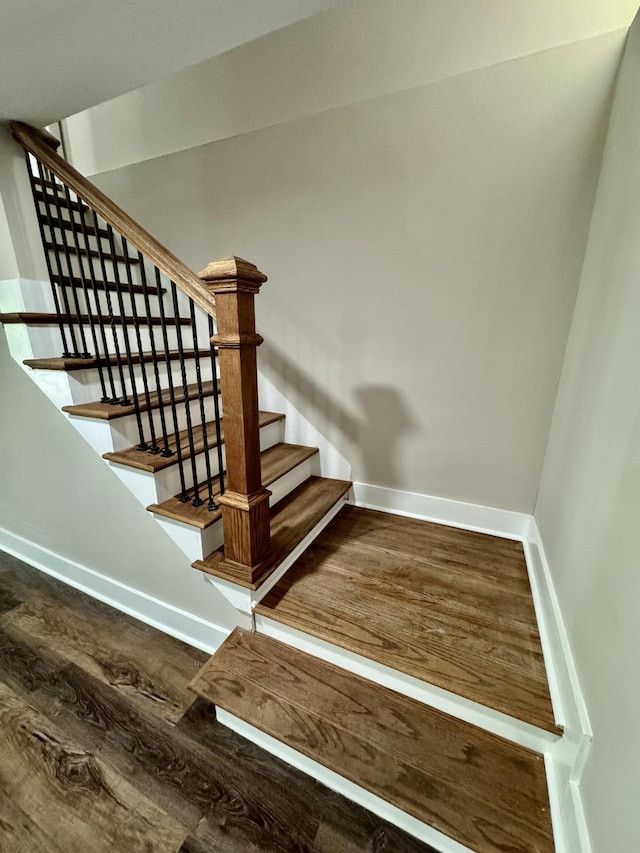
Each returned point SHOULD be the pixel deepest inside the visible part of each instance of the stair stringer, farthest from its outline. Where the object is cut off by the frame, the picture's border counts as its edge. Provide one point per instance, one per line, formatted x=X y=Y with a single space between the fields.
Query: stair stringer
x=63 y=388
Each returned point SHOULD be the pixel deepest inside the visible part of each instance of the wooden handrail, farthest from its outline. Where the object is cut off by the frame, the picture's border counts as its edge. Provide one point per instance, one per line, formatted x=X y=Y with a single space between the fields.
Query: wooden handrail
x=42 y=146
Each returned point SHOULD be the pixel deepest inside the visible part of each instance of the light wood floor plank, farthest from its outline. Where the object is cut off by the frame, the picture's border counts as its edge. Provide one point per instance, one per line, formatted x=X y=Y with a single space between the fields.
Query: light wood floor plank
x=450 y=607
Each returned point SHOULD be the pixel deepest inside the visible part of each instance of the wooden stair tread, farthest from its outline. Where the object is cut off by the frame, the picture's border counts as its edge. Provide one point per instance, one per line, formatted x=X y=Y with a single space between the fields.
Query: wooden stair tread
x=74 y=225
x=450 y=607
x=110 y=411
x=475 y=787
x=144 y=461
x=107 y=256
x=291 y=520
x=68 y=364
x=37 y=318
x=61 y=201
x=79 y=283
x=275 y=463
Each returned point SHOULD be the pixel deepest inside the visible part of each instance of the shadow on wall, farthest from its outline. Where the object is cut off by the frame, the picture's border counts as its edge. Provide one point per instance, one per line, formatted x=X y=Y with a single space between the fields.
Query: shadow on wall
x=373 y=433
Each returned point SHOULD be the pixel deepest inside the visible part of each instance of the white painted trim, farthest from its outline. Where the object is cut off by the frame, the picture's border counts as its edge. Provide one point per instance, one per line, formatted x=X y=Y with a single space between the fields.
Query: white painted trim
x=300 y=548
x=482 y=519
x=244 y=599
x=342 y=786
x=449 y=703
x=558 y=654
x=165 y=617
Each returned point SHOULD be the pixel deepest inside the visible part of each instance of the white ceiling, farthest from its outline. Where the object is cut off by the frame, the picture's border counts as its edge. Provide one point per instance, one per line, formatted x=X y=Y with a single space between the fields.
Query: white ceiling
x=58 y=57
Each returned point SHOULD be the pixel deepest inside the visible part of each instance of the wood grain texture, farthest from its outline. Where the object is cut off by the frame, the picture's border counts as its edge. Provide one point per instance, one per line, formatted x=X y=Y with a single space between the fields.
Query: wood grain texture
x=111 y=411
x=245 y=510
x=475 y=787
x=61 y=363
x=144 y=461
x=36 y=318
x=126 y=288
x=106 y=256
x=291 y=520
x=448 y=606
x=140 y=239
x=275 y=463
x=88 y=765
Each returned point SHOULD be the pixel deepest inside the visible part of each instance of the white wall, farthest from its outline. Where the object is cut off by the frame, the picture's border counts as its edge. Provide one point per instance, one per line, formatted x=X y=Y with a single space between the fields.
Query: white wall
x=423 y=246
x=354 y=51
x=589 y=502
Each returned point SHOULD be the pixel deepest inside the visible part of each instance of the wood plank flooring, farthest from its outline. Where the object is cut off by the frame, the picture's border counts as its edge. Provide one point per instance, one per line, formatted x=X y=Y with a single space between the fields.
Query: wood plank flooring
x=102 y=747
x=473 y=786
x=450 y=607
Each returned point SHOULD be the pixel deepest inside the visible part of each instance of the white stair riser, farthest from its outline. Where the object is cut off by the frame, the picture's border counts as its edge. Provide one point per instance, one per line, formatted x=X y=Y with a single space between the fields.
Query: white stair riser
x=198 y=544
x=85 y=385
x=156 y=488
x=124 y=431
x=46 y=341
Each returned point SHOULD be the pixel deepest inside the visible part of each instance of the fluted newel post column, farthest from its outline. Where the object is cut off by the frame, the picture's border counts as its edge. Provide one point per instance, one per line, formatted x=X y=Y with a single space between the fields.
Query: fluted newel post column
x=245 y=503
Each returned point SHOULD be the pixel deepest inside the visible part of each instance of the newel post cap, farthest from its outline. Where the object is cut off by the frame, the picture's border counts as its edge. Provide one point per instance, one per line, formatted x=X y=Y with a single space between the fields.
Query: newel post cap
x=231 y=272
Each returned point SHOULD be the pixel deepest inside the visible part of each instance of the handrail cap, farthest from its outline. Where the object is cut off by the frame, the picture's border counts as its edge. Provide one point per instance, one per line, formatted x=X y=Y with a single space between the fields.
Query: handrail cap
x=232 y=268
x=20 y=130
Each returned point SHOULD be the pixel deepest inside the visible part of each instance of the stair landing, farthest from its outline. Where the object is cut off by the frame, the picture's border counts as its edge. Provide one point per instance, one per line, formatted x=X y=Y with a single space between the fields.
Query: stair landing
x=483 y=791
x=451 y=607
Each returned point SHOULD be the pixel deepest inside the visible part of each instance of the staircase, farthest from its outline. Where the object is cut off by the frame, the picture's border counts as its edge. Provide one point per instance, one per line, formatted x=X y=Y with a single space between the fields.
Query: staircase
x=397 y=661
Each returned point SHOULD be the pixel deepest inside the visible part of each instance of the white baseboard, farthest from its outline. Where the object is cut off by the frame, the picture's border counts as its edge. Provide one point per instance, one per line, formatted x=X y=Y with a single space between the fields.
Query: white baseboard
x=165 y=617
x=343 y=786
x=483 y=519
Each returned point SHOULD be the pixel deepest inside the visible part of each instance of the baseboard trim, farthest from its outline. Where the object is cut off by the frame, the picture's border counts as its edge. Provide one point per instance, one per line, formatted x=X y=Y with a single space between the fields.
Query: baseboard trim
x=482 y=519
x=342 y=786
x=184 y=626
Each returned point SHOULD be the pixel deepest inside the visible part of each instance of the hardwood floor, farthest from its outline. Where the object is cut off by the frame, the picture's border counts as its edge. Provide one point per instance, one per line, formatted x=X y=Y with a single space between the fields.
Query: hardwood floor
x=102 y=747
x=450 y=607
x=477 y=788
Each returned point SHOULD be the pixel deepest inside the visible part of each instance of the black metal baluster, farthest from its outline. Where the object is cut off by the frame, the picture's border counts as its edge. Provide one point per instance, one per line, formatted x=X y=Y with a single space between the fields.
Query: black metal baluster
x=83 y=280
x=184 y=497
x=197 y=500
x=67 y=255
x=166 y=451
x=127 y=345
x=122 y=398
x=143 y=368
x=216 y=405
x=54 y=293
x=67 y=353
x=106 y=398
x=203 y=420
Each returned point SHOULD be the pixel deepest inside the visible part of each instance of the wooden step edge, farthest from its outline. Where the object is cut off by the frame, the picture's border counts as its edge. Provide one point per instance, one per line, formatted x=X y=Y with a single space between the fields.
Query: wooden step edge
x=126 y=289
x=141 y=460
x=36 y=318
x=112 y=411
x=292 y=519
x=471 y=785
x=106 y=256
x=52 y=198
x=73 y=225
x=202 y=517
x=72 y=364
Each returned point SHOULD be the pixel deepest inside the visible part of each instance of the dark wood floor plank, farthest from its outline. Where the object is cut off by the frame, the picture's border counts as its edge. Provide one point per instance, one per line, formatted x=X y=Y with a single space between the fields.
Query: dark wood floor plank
x=339 y=720
x=450 y=607
x=71 y=794
x=153 y=674
x=219 y=788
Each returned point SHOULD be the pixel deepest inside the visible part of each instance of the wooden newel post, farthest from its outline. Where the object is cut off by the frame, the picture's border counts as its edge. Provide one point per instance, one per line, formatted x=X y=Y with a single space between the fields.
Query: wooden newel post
x=245 y=503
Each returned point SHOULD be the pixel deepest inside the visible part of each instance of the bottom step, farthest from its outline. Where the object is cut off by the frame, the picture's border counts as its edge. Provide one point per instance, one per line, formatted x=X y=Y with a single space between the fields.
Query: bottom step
x=472 y=786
